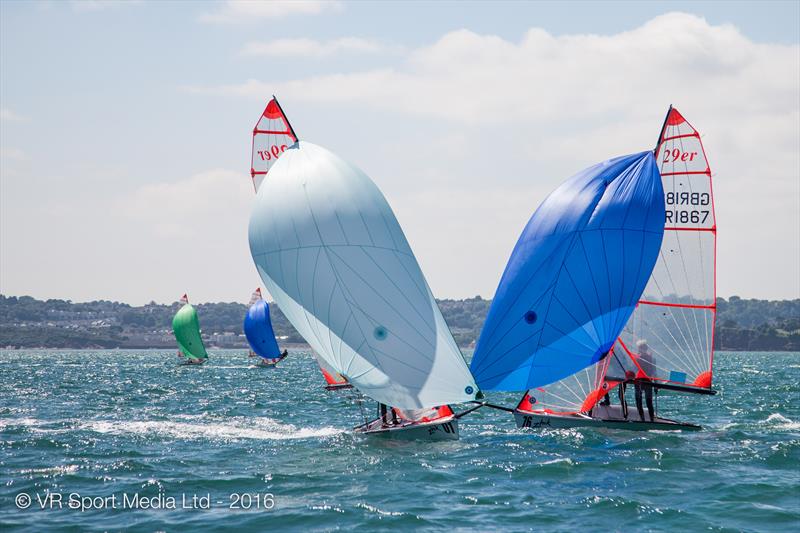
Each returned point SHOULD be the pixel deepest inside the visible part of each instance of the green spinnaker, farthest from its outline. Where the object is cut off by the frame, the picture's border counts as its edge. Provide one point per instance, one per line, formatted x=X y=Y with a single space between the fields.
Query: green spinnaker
x=187 y=332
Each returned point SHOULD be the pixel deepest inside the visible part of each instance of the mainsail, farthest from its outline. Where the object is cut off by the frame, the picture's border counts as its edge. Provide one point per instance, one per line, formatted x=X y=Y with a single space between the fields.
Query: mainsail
x=333 y=256
x=574 y=277
x=271 y=137
x=675 y=317
x=258 y=330
x=187 y=331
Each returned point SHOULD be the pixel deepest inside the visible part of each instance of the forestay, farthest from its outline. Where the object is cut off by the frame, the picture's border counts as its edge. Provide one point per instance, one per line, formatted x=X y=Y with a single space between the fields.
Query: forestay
x=574 y=276
x=271 y=137
x=334 y=258
x=674 y=320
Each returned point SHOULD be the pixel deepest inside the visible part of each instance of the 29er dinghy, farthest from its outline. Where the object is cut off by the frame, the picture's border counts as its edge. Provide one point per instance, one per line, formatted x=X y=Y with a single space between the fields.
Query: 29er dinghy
x=333 y=256
x=667 y=344
x=186 y=328
x=259 y=332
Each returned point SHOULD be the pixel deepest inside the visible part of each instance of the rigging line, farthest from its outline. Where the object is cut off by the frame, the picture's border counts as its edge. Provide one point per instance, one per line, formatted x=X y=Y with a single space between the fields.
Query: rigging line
x=380 y=295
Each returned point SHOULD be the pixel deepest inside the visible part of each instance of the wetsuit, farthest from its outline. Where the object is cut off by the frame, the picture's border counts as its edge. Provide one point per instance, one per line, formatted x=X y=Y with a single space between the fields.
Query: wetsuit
x=646 y=361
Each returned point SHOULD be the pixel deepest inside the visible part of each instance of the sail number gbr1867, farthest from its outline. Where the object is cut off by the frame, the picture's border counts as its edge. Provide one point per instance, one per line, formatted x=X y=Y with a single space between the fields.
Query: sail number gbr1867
x=272 y=153
x=687 y=207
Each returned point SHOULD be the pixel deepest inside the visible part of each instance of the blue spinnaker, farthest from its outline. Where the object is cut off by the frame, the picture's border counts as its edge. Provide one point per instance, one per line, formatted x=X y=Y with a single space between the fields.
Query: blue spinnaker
x=574 y=276
x=259 y=333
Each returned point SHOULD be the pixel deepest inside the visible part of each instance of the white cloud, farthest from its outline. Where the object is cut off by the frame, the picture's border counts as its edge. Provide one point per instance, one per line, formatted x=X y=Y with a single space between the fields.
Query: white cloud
x=6 y=115
x=254 y=10
x=522 y=116
x=311 y=47
x=201 y=205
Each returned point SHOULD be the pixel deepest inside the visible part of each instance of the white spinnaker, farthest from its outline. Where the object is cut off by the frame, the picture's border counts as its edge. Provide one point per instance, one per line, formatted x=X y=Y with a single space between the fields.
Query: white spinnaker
x=332 y=254
x=675 y=317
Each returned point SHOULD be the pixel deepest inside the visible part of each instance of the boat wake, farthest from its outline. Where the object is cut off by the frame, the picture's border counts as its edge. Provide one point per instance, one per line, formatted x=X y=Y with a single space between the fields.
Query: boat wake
x=235 y=429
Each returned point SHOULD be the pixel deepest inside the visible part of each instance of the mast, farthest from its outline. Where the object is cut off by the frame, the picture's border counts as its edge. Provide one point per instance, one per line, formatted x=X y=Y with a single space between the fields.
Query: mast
x=663 y=129
x=286 y=119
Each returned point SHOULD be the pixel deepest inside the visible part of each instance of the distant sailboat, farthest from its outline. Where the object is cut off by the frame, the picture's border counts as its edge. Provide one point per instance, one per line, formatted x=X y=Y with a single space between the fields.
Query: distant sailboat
x=186 y=328
x=259 y=332
x=333 y=379
x=333 y=256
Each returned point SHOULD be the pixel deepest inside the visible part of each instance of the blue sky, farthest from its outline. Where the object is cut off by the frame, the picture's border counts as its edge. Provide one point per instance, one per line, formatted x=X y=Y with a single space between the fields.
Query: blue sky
x=125 y=128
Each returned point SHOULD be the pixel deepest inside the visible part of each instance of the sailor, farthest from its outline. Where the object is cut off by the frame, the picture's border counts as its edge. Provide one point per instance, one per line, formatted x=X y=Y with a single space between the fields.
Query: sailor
x=387 y=420
x=622 y=402
x=647 y=364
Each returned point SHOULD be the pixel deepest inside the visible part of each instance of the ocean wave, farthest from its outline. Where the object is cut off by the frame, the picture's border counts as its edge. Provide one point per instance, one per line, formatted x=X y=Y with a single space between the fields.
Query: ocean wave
x=781 y=422
x=258 y=429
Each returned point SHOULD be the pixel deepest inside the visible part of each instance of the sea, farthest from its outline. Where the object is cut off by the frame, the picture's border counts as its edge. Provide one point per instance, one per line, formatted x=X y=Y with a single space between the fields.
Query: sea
x=113 y=440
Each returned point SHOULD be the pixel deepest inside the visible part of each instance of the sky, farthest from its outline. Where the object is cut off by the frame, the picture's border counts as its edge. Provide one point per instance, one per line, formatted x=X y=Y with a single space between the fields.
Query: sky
x=125 y=129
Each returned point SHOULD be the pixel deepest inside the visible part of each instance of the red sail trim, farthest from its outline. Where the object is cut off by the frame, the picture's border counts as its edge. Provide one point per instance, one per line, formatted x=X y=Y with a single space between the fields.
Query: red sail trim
x=287 y=132
x=683 y=136
x=688 y=306
x=707 y=172
x=712 y=229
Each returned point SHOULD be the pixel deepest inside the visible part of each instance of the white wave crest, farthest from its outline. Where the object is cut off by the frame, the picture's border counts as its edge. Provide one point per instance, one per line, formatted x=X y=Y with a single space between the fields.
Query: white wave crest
x=259 y=429
x=781 y=421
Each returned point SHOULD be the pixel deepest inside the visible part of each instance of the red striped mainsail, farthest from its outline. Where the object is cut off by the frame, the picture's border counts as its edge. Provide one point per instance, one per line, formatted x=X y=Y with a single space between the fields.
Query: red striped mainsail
x=670 y=337
x=271 y=137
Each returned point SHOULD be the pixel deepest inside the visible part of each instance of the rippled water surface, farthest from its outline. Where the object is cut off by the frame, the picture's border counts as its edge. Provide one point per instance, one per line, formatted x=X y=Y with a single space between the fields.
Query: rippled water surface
x=108 y=424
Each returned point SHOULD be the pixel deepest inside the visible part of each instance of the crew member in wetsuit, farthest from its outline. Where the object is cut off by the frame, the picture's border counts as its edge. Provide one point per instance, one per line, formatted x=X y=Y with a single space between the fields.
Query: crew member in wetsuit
x=384 y=415
x=647 y=363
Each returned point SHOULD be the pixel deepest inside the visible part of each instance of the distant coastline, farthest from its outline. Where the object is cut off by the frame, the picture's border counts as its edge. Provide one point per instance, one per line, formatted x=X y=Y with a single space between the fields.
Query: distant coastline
x=25 y=322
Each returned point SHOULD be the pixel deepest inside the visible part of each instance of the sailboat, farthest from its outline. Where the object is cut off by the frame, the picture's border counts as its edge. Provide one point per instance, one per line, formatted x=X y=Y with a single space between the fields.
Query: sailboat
x=259 y=332
x=333 y=256
x=333 y=379
x=186 y=328
x=272 y=135
x=667 y=343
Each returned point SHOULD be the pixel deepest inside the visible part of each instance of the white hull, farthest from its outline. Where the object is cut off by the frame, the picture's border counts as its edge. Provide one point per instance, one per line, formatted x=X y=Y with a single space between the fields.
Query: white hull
x=442 y=429
x=602 y=417
x=197 y=362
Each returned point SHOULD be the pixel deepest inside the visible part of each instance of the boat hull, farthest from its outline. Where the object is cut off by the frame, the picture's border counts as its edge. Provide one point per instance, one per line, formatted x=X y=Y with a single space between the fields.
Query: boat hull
x=602 y=417
x=339 y=386
x=437 y=430
x=192 y=363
